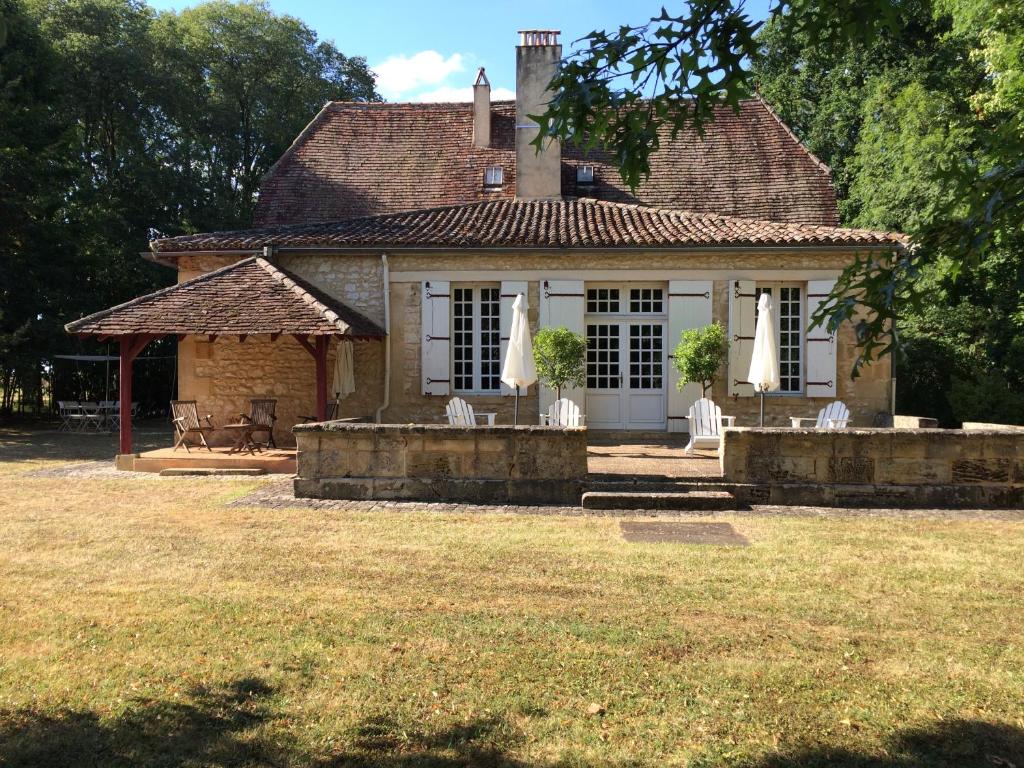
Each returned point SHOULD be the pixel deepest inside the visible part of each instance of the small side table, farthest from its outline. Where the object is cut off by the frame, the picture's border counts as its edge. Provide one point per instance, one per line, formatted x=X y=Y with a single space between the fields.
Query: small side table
x=242 y=433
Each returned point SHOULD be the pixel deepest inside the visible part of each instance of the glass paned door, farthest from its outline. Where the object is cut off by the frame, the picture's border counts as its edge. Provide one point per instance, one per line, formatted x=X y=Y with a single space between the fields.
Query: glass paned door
x=645 y=395
x=626 y=375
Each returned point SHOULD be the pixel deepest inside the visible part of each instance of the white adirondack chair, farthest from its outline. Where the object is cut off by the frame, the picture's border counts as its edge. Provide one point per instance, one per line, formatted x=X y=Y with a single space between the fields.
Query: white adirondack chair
x=563 y=413
x=460 y=414
x=835 y=415
x=705 y=426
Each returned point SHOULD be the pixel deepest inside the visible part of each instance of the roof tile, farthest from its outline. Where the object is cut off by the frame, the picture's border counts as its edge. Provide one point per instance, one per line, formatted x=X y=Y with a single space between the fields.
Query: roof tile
x=580 y=223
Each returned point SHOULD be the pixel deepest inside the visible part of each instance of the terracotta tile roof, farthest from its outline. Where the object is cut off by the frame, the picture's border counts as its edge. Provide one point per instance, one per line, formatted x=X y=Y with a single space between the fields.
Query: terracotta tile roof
x=357 y=159
x=251 y=296
x=580 y=223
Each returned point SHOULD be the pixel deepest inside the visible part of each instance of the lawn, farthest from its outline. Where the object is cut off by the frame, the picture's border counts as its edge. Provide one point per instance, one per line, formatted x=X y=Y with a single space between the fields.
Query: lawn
x=143 y=622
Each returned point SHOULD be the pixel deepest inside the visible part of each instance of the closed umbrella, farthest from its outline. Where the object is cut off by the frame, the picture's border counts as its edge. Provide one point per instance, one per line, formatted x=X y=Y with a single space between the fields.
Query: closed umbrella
x=344 y=371
x=764 y=363
x=519 y=369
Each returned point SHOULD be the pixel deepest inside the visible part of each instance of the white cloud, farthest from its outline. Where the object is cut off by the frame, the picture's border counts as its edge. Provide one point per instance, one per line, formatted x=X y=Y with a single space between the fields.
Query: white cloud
x=450 y=93
x=399 y=75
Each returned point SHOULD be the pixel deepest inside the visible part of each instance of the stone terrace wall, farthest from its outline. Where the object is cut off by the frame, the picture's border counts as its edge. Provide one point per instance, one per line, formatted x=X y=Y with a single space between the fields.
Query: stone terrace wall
x=933 y=467
x=495 y=465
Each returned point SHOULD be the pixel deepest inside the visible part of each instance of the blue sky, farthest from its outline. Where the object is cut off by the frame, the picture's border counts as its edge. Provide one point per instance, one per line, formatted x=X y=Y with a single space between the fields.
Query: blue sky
x=430 y=51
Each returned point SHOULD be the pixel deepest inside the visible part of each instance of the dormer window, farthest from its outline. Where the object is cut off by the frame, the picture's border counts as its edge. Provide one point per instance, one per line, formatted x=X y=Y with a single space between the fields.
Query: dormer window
x=494 y=176
x=584 y=174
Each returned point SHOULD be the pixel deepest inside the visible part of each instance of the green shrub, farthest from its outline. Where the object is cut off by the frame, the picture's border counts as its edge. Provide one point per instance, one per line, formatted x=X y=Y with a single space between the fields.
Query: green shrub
x=699 y=355
x=560 y=356
x=988 y=397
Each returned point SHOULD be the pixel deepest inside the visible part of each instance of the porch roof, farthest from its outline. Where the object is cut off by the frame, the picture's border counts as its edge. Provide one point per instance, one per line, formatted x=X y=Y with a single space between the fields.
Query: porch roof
x=249 y=297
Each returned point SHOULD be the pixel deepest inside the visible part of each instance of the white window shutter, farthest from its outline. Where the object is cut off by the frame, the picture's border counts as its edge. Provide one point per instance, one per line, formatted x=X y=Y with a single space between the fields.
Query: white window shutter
x=561 y=306
x=742 y=318
x=689 y=306
x=509 y=290
x=435 y=364
x=820 y=378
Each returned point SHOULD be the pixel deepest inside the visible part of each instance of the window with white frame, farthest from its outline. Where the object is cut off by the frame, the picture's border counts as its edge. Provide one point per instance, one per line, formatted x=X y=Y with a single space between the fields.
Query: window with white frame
x=476 y=338
x=787 y=301
x=494 y=176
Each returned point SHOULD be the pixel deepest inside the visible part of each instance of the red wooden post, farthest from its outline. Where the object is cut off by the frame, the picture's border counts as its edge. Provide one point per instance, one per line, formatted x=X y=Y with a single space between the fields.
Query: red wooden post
x=321 y=377
x=125 y=393
x=130 y=348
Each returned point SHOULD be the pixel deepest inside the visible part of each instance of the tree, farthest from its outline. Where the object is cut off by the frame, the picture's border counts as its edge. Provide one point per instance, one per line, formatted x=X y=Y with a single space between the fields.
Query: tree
x=617 y=89
x=560 y=356
x=119 y=122
x=242 y=83
x=699 y=355
x=901 y=127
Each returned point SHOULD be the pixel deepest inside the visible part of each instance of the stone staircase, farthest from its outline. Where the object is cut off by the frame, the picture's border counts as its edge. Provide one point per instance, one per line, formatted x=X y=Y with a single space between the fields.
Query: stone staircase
x=657 y=494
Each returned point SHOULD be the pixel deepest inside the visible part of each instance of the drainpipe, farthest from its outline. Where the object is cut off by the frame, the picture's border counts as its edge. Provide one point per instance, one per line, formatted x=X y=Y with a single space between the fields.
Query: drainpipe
x=387 y=336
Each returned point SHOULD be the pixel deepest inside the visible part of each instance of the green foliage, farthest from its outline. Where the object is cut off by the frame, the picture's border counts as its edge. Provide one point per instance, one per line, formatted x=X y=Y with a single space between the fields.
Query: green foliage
x=560 y=357
x=616 y=89
x=917 y=106
x=923 y=130
x=987 y=398
x=699 y=355
x=120 y=122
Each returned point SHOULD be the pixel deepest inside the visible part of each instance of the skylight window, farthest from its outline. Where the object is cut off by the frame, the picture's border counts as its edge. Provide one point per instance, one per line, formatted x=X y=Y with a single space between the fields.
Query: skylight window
x=584 y=174
x=494 y=176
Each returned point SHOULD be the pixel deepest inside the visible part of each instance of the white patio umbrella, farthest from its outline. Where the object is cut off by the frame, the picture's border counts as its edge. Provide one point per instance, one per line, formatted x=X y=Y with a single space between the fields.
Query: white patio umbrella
x=519 y=369
x=764 y=363
x=344 y=371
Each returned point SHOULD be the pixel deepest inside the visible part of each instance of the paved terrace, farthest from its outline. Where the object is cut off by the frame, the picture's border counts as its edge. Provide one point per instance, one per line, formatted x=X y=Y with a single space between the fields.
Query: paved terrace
x=647 y=455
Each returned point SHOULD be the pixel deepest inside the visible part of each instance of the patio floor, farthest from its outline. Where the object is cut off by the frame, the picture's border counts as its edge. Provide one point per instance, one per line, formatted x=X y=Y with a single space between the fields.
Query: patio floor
x=647 y=455
x=273 y=461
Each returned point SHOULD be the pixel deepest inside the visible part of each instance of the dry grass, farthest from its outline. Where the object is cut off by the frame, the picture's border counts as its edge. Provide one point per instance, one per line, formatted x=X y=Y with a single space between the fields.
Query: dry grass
x=142 y=622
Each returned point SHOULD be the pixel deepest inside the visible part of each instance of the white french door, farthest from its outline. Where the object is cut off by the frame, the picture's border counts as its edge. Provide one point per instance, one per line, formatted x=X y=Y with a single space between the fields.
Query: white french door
x=626 y=361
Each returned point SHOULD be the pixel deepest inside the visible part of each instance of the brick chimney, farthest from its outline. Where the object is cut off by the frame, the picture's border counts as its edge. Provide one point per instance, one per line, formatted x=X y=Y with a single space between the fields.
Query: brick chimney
x=481 y=110
x=538 y=175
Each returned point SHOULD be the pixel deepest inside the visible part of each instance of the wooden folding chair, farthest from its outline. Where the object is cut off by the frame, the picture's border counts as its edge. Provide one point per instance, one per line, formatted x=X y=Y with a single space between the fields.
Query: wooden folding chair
x=185 y=417
x=262 y=415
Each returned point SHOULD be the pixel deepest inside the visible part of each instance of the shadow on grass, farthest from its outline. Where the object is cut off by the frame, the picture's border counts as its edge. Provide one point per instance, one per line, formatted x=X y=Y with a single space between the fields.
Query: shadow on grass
x=224 y=727
x=35 y=444
x=945 y=744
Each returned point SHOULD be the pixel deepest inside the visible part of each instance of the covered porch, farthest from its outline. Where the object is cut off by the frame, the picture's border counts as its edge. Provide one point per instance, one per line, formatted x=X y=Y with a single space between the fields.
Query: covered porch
x=254 y=301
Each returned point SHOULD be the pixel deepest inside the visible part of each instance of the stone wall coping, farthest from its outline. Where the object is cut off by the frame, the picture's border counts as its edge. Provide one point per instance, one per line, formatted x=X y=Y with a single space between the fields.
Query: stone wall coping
x=831 y=433
x=984 y=426
x=433 y=429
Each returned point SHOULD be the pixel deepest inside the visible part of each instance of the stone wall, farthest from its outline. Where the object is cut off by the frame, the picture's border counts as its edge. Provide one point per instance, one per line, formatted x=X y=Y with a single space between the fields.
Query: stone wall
x=517 y=465
x=224 y=374
x=408 y=403
x=220 y=381
x=934 y=467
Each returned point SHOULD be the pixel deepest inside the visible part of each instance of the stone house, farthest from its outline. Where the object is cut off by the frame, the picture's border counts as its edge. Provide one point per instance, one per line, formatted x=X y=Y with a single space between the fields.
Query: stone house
x=426 y=221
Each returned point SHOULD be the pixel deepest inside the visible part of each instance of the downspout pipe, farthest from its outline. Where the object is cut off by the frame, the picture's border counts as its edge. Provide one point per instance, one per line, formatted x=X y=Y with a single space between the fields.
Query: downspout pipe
x=386 y=279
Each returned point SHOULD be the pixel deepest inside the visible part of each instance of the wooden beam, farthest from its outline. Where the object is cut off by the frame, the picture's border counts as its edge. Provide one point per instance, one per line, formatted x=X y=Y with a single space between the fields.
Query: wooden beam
x=130 y=348
x=320 y=358
x=305 y=343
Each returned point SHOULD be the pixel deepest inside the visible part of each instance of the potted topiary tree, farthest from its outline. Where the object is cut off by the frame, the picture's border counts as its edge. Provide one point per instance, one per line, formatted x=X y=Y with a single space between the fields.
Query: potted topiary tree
x=560 y=356
x=700 y=354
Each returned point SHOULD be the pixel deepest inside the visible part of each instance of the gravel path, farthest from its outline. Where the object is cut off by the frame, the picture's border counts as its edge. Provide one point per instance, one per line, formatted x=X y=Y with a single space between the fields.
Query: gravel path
x=277 y=494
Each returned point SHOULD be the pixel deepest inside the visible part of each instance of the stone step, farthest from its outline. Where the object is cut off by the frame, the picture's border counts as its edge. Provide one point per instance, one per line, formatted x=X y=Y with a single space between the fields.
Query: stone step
x=678 y=500
x=211 y=471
